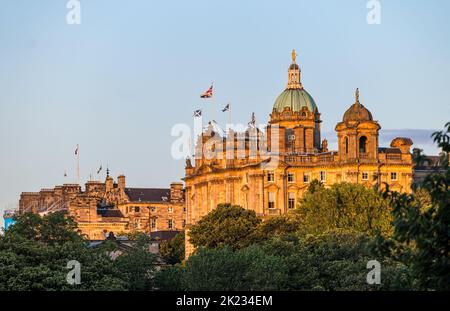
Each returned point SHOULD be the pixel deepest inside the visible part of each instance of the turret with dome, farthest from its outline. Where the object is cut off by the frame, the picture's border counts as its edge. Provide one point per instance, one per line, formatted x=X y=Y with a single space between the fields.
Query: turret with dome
x=296 y=114
x=294 y=96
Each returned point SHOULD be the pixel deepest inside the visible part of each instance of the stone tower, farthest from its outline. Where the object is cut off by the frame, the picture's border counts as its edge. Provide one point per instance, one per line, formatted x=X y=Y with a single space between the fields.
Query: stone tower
x=357 y=134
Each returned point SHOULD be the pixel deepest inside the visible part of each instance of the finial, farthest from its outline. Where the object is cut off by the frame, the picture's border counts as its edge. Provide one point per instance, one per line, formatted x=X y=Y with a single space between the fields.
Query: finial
x=357 y=95
x=107 y=171
x=294 y=56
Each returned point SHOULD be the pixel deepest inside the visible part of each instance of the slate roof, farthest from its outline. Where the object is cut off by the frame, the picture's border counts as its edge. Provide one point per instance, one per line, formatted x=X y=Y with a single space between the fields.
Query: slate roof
x=109 y=212
x=148 y=194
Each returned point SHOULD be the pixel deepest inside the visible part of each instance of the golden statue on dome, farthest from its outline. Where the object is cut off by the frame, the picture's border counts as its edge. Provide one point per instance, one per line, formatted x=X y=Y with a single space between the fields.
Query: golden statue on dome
x=294 y=56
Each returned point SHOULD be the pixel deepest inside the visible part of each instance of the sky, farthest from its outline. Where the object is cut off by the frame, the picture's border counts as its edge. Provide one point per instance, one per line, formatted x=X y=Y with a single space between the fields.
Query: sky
x=118 y=82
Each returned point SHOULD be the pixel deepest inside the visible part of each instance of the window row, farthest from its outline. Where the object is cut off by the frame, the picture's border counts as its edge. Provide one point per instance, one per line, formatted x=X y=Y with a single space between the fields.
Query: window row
x=291 y=177
x=271 y=200
x=365 y=176
x=322 y=176
x=170 y=224
x=153 y=209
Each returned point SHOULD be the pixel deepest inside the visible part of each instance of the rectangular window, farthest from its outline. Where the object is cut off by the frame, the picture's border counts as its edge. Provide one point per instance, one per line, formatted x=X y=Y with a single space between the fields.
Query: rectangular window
x=291 y=177
x=184 y=223
x=365 y=176
x=271 y=200
x=170 y=224
x=153 y=209
x=270 y=176
x=170 y=209
x=291 y=200
x=393 y=175
x=184 y=209
x=306 y=178
x=153 y=223
x=137 y=209
x=323 y=176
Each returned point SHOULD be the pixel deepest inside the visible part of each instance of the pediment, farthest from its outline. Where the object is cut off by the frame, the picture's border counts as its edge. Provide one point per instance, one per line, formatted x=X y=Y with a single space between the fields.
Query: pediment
x=272 y=187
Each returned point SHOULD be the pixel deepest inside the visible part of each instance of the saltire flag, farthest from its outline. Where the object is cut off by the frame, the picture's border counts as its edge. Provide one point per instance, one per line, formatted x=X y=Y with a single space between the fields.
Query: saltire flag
x=226 y=108
x=208 y=93
x=99 y=170
x=76 y=150
x=197 y=113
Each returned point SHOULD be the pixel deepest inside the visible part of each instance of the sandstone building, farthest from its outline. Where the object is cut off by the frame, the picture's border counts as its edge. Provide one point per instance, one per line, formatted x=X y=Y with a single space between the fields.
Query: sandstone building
x=269 y=170
x=110 y=206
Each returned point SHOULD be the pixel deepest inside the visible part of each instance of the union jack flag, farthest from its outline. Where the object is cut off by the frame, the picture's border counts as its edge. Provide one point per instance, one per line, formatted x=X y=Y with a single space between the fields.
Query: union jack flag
x=208 y=93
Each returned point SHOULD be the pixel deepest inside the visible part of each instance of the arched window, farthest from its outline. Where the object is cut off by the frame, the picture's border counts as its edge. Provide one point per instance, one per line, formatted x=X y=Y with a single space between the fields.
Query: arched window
x=362 y=144
x=346 y=145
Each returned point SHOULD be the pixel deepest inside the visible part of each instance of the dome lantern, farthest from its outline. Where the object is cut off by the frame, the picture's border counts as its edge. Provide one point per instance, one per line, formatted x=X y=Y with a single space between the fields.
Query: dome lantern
x=294 y=74
x=295 y=97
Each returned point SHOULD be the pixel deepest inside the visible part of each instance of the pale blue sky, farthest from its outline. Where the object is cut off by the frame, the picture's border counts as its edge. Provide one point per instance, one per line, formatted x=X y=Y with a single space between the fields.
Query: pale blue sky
x=118 y=82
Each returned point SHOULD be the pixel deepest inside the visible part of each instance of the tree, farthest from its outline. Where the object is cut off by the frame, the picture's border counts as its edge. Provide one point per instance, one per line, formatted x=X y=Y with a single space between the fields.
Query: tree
x=34 y=253
x=275 y=226
x=333 y=261
x=344 y=206
x=137 y=266
x=172 y=251
x=225 y=225
x=52 y=228
x=421 y=235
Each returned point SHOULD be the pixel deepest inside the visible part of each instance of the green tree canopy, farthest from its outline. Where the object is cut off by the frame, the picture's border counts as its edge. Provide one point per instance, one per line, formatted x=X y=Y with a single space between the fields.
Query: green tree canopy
x=172 y=251
x=334 y=261
x=422 y=226
x=227 y=224
x=35 y=251
x=344 y=206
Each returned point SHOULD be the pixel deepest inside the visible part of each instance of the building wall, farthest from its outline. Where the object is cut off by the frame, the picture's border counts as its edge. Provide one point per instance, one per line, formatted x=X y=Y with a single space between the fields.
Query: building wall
x=82 y=205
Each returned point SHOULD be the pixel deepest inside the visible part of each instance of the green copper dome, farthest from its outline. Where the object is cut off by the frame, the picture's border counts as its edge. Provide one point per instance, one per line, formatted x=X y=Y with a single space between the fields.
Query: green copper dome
x=296 y=99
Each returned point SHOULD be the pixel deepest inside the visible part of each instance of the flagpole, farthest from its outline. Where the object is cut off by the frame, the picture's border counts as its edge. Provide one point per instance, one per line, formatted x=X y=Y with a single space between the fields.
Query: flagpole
x=229 y=114
x=78 y=164
x=213 y=99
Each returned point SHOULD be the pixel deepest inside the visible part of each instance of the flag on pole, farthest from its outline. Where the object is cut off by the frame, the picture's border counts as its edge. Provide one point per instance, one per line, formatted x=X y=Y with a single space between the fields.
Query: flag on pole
x=65 y=174
x=253 y=120
x=99 y=170
x=76 y=150
x=197 y=113
x=208 y=93
x=226 y=108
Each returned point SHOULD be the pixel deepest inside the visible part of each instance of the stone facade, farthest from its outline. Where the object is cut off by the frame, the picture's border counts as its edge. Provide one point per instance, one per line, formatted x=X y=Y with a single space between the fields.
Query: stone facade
x=108 y=206
x=271 y=178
